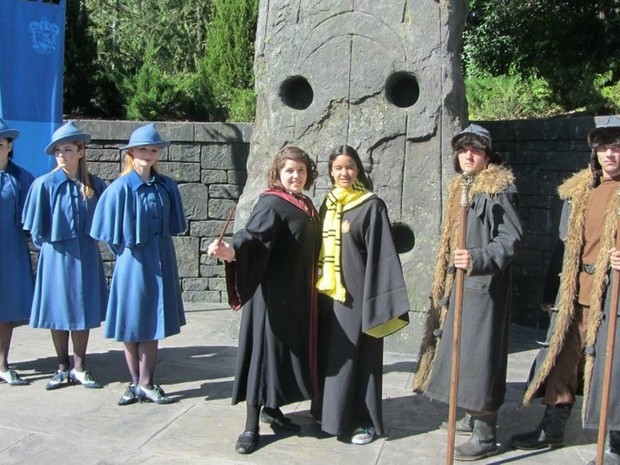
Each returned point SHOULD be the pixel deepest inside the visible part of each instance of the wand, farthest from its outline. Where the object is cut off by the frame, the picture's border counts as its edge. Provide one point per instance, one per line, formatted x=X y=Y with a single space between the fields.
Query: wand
x=230 y=215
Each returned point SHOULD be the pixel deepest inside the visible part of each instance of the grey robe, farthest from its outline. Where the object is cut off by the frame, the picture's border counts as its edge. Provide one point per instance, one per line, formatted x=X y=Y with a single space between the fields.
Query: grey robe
x=493 y=237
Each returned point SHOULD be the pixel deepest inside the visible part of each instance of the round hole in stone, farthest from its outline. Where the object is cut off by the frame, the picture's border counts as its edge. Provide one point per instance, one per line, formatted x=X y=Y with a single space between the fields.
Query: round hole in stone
x=296 y=92
x=402 y=90
x=402 y=234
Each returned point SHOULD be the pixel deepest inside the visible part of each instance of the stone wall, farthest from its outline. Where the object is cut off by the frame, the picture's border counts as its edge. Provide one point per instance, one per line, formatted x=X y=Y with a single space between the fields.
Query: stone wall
x=208 y=160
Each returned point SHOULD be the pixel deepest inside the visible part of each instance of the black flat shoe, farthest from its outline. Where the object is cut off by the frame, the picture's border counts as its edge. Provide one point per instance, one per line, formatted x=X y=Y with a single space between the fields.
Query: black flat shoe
x=278 y=420
x=246 y=442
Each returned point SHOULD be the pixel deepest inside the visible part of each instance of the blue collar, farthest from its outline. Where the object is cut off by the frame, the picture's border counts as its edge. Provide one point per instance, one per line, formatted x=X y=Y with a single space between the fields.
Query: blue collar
x=59 y=177
x=134 y=181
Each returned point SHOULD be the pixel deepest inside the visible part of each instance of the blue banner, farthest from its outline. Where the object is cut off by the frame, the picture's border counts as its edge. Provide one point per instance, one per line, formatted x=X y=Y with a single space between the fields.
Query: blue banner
x=32 y=38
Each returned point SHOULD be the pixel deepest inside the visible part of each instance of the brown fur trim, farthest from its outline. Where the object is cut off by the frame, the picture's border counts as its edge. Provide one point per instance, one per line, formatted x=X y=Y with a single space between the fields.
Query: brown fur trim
x=491 y=181
x=575 y=186
x=576 y=191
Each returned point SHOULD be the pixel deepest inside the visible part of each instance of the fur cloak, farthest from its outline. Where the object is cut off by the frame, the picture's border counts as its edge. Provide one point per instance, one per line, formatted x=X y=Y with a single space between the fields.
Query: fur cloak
x=576 y=192
x=487 y=284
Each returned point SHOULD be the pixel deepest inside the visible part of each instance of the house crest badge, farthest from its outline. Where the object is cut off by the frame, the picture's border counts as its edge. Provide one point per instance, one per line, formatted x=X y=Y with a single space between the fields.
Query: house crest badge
x=44 y=35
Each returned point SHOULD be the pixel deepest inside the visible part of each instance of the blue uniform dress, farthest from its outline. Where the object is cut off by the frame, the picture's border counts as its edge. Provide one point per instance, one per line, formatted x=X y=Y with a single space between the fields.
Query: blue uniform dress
x=16 y=278
x=137 y=219
x=70 y=290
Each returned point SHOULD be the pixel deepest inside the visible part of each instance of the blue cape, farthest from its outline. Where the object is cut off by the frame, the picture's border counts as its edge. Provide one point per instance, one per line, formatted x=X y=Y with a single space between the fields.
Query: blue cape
x=120 y=223
x=48 y=211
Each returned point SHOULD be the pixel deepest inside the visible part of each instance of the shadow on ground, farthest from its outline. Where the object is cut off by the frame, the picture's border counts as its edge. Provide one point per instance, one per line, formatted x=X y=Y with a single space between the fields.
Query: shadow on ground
x=209 y=367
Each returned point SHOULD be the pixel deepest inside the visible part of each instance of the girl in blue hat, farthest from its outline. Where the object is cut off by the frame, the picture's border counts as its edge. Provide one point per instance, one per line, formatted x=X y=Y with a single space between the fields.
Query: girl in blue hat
x=70 y=291
x=136 y=217
x=16 y=283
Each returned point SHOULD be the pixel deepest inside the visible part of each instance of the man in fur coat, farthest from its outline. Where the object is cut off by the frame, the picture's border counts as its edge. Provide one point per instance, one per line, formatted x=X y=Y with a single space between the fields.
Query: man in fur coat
x=573 y=354
x=493 y=237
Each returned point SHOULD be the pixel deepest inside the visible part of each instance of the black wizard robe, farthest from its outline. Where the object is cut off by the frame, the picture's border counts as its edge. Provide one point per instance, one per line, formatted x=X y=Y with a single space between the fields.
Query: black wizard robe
x=350 y=359
x=273 y=277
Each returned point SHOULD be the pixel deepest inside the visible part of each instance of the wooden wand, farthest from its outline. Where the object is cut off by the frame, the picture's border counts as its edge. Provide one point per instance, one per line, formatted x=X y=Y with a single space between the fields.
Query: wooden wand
x=230 y=215
x=609 y=355
x=466 y=181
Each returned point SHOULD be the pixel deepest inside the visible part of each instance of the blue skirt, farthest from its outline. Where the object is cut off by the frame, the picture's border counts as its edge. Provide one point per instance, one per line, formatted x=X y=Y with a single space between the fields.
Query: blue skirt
x=145 y=296
x=70 y=291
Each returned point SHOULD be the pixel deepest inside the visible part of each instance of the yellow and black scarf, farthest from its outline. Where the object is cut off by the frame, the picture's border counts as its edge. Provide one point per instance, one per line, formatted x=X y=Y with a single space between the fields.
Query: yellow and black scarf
x=337 y=201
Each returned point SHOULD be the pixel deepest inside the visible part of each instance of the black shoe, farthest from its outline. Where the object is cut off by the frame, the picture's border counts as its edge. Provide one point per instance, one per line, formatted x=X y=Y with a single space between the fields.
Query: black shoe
x=277 y=420
x=246 y=442
x=535 y=440
x=129 y=396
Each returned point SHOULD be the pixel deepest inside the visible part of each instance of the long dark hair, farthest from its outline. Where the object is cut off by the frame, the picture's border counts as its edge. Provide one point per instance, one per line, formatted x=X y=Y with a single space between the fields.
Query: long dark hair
x=351 y=152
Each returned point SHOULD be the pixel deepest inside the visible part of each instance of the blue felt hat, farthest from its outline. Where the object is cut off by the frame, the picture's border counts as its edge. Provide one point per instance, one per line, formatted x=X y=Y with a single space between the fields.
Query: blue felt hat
x=607 y=130
x=6 y=132
x=475 y=130
x=145 y=135
x=68 y=132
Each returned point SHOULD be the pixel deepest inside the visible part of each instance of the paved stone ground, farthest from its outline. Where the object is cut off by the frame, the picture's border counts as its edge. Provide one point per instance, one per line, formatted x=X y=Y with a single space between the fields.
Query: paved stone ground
x=74 y=425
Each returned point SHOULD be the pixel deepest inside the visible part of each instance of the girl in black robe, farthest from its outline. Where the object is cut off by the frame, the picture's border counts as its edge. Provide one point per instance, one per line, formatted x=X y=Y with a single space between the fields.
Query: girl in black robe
x=363 y=299
x=271 y=269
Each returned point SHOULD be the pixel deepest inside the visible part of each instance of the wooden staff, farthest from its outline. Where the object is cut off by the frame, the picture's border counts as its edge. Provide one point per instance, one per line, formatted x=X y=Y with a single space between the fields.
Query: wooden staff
x=609 y=356
x=466 y=182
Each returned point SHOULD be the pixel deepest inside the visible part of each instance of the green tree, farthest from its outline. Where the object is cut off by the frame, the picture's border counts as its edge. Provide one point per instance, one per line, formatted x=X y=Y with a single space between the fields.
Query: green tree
x=571 y=44
x=80 y=62
x=148 y=55
x=228 y=65
x=152 y=92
